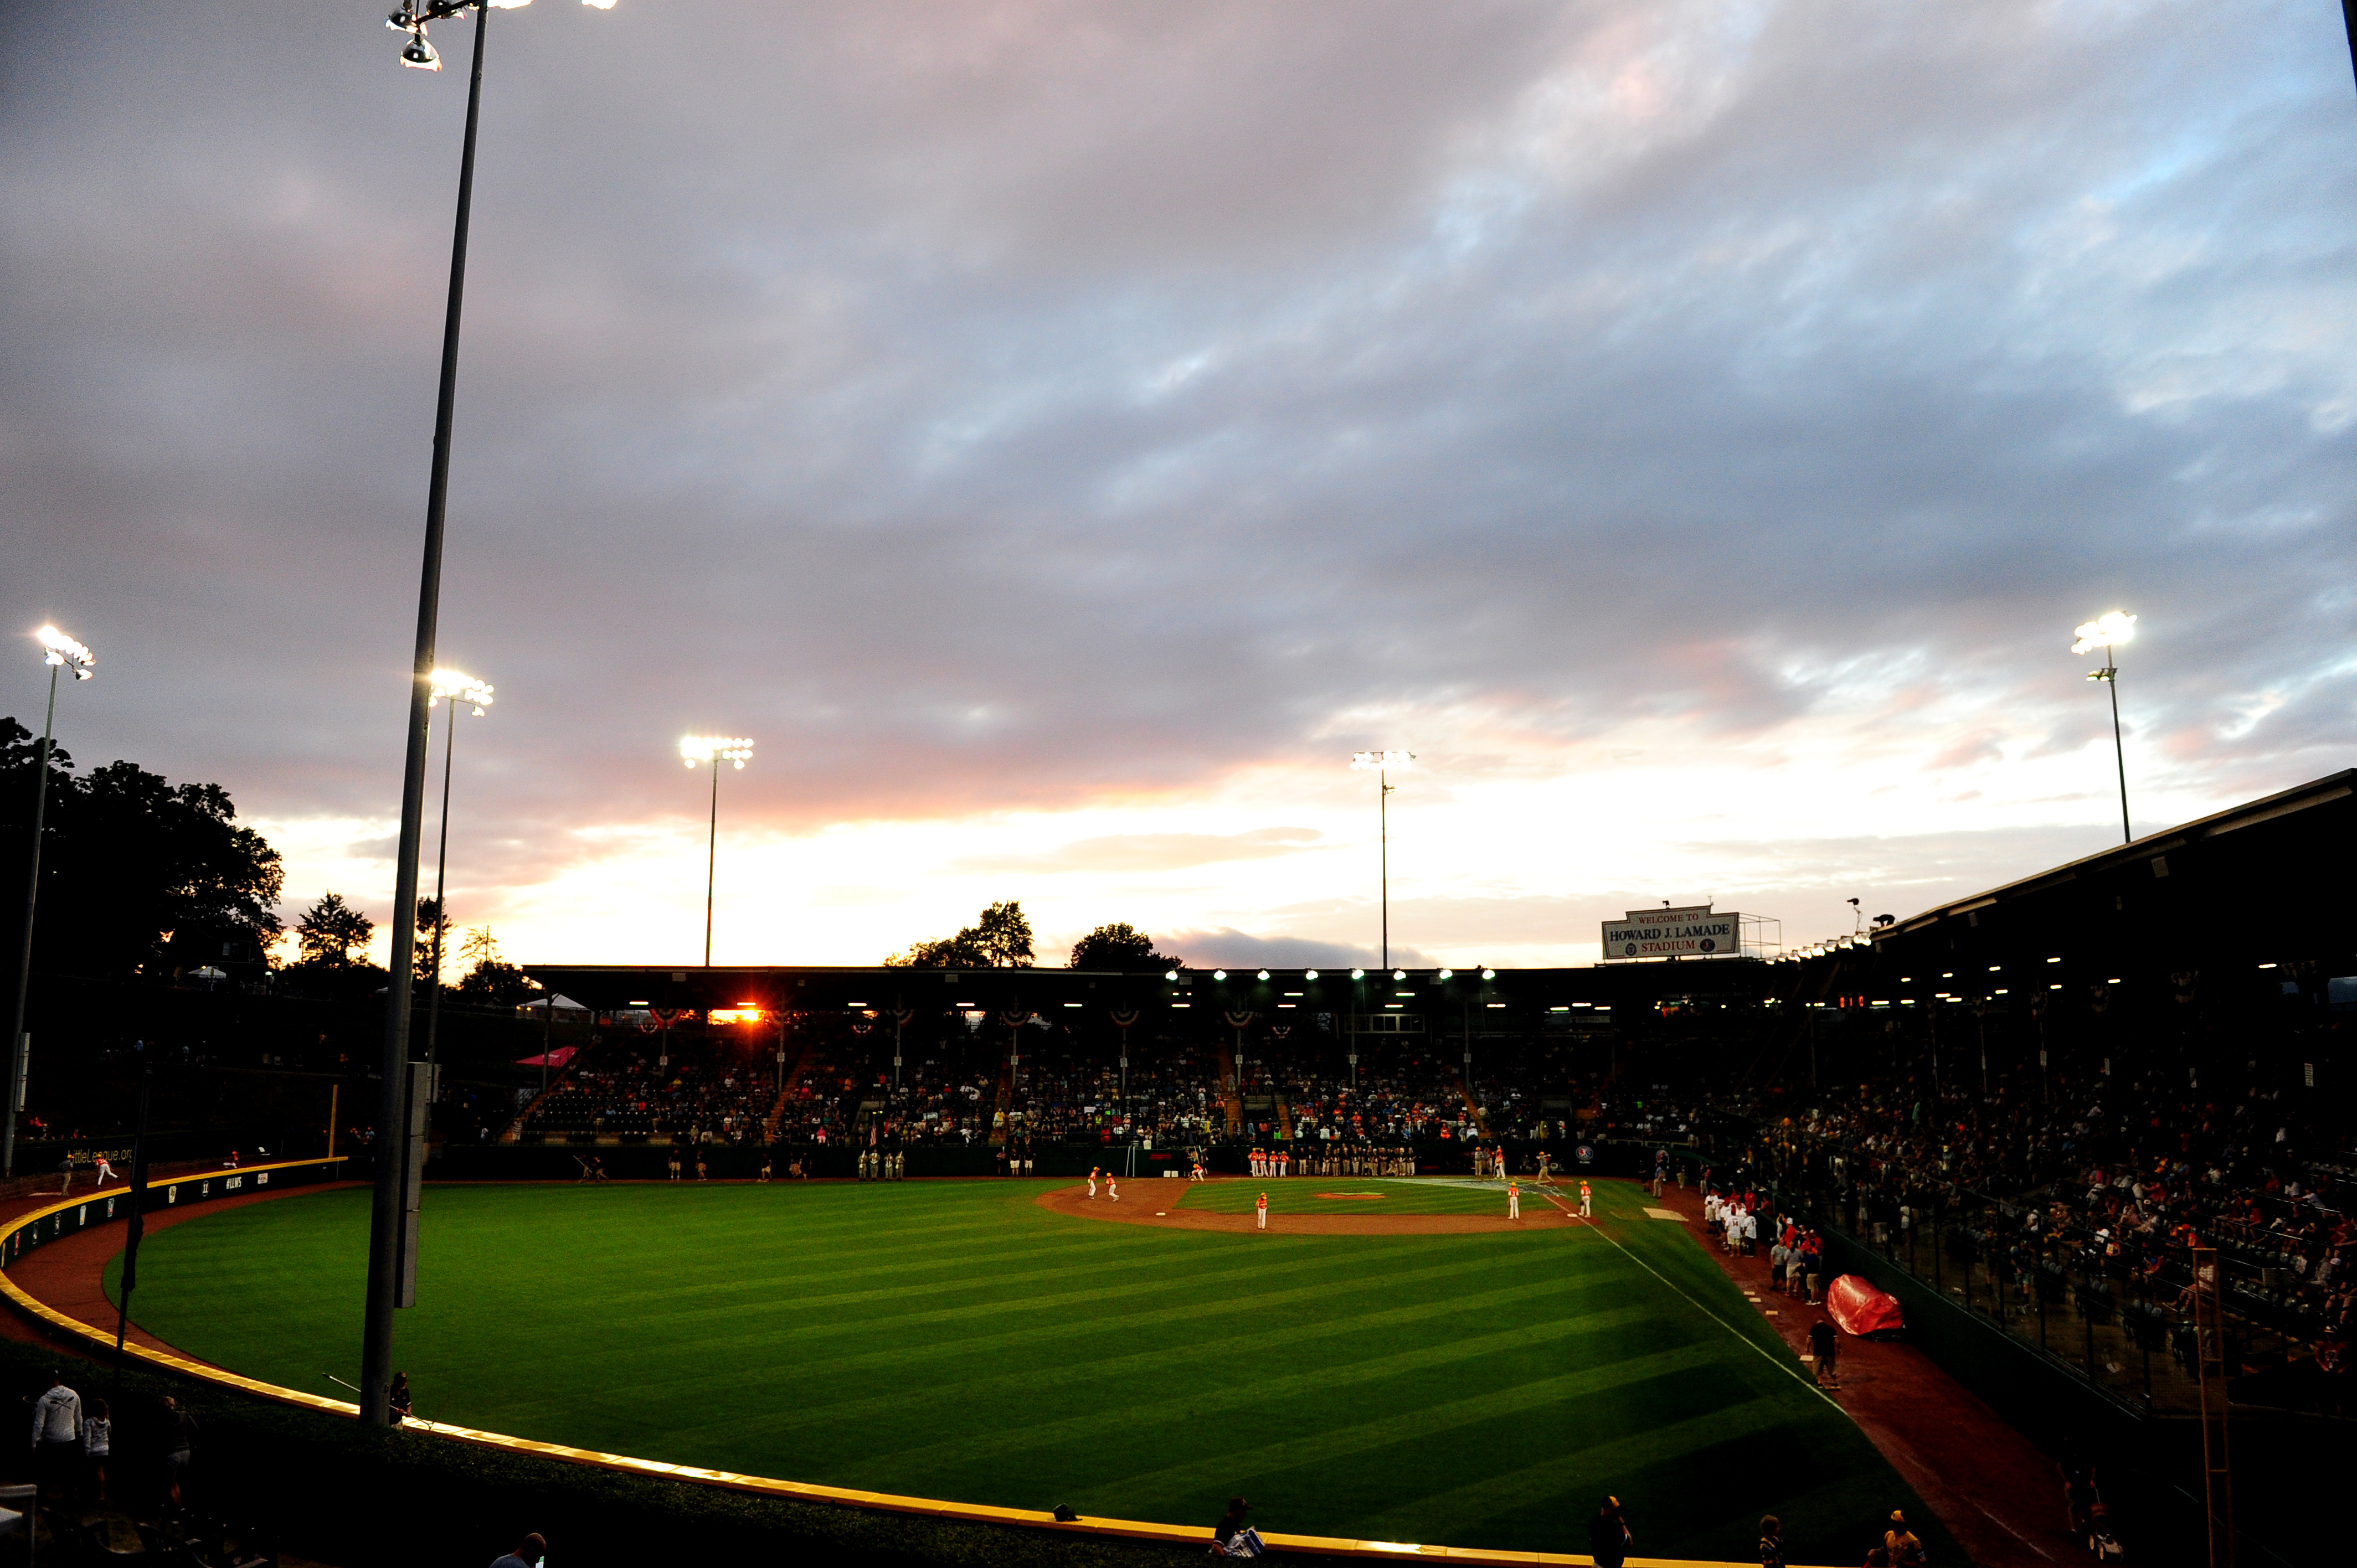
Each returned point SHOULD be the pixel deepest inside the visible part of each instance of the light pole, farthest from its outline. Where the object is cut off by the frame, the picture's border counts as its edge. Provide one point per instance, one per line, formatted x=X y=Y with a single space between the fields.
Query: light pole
x=456 y=687
x=2107 y=631
x=713 y=750
x=60 y=653
x=389 y=1235
x=1381 y=763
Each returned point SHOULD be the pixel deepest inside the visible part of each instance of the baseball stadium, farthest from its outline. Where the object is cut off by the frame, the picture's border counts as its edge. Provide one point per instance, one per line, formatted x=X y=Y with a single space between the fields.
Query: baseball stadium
x=1772 y=1054
x=1032 y=1264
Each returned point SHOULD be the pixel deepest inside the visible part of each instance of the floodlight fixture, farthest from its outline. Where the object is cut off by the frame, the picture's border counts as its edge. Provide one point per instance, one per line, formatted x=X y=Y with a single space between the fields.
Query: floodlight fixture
x=1169 y=974
x=1399 y=975
x=1358 y=974
x=1447 y=974
x=1308 y=974
x=59 y=650
x=1219 y=974
x=460 y=686
x=1488 y=975
x=2110 y=630
x=715 y=749
x=1264 y=974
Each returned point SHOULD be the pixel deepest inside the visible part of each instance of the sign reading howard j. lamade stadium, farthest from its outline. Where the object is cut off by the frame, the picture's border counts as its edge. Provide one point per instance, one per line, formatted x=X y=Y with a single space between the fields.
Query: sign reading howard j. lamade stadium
x=1691 y=932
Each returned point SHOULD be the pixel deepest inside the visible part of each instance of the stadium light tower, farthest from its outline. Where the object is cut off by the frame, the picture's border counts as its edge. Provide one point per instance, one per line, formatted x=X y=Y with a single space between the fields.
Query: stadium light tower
x=461 y=689
x=1380 y=764
x=714 y=749
x=2107 y=631
x=60 y=653
x=390 y=1234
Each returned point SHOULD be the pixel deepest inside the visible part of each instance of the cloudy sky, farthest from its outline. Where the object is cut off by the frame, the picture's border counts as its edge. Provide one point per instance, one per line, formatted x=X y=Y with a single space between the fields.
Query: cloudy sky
x=1059 y=434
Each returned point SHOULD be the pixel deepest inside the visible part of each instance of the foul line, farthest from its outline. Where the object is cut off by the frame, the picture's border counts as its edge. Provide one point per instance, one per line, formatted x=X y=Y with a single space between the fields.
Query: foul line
x=1747 y=1340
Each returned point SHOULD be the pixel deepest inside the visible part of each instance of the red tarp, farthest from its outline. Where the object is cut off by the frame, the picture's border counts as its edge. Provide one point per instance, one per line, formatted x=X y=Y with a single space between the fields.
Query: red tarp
x=1859 y=1309
x=557 y=1057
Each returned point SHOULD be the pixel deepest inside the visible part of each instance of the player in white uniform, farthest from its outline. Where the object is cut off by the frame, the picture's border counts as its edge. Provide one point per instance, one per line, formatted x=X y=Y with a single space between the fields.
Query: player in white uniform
x=104 y=1170
x=1112 y=1191
x=1195 y=1172
x=1261 y=1210
x=1093 y=1184
x=1513 y=1199
x=1583 y=1197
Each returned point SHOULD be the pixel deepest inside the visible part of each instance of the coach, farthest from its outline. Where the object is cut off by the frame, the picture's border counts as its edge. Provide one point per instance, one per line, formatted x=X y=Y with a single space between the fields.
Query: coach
x=57 y=1438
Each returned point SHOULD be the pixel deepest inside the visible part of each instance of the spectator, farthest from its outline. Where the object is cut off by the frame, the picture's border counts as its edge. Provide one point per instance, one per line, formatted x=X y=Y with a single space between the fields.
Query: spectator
x=1608 y=1535
x=180 y=1438
x=97 y=1439
x=57 y=1438
x=398 y=1398
x=1229 y=1537
x=527 y=1554
x=1771 y=1542
x=1906 y=1551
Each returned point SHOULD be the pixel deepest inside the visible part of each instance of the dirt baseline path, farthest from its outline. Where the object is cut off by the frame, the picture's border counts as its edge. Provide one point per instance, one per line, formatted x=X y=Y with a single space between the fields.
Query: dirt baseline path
x=1148 y=1204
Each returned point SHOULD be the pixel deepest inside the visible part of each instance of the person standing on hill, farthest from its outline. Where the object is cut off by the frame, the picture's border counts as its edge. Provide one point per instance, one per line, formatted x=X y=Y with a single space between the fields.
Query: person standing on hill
x=1586 y=1196
x=1093 y=1184
x=1513 y=1199
x=1261 y=1210
x=1608 y=1535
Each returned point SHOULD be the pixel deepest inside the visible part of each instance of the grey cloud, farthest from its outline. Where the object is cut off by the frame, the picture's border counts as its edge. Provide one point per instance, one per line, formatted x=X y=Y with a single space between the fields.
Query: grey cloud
x=990 y=406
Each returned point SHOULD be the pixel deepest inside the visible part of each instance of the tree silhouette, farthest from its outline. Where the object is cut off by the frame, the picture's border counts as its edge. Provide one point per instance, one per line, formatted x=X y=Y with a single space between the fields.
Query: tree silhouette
x=1117 y=946
x=330 y=931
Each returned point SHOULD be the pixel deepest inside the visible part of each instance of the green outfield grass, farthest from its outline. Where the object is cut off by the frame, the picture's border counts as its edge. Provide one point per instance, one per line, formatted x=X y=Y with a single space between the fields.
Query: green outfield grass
x=954 y=1339
x=1357 y=1195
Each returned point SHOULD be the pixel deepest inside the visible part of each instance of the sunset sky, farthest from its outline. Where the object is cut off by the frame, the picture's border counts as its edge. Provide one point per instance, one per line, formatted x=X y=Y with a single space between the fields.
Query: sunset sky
x=1059 y=434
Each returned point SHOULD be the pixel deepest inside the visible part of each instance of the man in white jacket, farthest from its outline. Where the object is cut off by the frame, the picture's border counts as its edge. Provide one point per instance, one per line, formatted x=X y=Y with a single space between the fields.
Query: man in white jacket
x=57 y=1438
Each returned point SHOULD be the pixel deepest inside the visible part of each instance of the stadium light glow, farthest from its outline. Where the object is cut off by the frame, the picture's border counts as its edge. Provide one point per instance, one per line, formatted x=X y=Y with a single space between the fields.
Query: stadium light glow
x=715 y=749
x=1488 y=975
x=1358 y=974
x=1447 y=974
x=1219 y=974
x=1308 y=974
x=1169 y=974
x=1399 y=975
x=458 y=687
x=1264 y=974
x=59 y=650
x=2110 y=630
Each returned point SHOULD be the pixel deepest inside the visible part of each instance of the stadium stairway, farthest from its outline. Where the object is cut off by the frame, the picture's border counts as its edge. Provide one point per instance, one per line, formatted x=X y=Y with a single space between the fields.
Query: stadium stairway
x=1472 y=1107
x=1284 y=1120
x=787 y=1091
x=1231 y=1095
x=514 y=1131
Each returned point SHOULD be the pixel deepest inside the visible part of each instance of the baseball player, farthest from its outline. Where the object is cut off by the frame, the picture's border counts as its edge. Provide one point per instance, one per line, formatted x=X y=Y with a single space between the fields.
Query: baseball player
x=1513 y=1198
x=1196 y=1174
x=1584 y=1195
x=104 y=1170
x=1112 y=1191
x=1093 y=1184
x=1262 y=1211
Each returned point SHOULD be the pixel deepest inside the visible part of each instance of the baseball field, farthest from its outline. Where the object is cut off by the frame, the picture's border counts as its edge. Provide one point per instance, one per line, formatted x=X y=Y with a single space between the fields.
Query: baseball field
x=961 y=1340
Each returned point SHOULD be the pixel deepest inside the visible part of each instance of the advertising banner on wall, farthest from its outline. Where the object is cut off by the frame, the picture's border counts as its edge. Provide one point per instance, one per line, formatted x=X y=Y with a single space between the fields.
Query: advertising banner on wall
x=1692 y=932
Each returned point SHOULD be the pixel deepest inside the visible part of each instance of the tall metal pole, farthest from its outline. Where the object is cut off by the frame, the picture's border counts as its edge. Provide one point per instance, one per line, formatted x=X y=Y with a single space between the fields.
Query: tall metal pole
x=711 y=861
x=24 y=956
x=1383 y=835
x=2119 y=747
x=385 y=1216
x=441 y=859
x=136 y=1225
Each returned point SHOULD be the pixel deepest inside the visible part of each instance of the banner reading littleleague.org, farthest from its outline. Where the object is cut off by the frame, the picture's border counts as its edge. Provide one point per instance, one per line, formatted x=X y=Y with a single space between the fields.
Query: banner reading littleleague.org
x=1694 y=932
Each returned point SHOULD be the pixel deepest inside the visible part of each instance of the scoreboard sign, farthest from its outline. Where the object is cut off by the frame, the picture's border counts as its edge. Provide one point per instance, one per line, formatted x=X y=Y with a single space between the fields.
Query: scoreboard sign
x=1694 y=932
